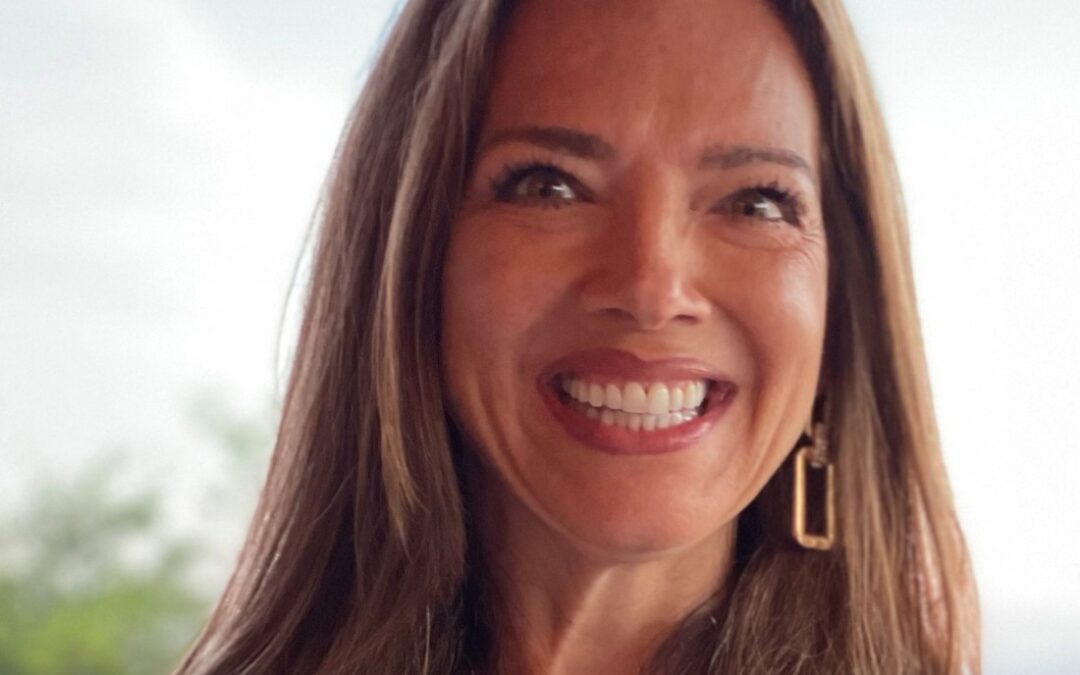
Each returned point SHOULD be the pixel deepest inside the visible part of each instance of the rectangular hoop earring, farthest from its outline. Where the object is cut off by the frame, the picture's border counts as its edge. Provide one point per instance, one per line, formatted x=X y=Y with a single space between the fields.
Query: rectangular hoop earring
x=816 y=541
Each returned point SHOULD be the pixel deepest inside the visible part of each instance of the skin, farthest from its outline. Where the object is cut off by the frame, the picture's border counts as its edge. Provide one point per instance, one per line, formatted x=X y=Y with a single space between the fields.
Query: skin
x=596 y=556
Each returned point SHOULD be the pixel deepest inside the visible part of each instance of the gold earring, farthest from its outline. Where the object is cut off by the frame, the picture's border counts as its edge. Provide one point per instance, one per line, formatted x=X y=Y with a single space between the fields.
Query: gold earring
x=813 y=456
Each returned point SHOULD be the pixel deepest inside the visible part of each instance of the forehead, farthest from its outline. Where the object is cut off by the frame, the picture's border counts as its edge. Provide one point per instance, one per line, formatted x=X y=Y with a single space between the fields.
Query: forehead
x=659 y=76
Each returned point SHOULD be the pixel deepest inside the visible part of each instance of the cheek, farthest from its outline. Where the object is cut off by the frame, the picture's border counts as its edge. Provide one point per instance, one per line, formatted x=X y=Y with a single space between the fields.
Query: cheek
x=484 y=294
x=810 y=275
x=782 y=311
x=492 y=298
x=789 y=321
x=473 y=312
x=505 y=278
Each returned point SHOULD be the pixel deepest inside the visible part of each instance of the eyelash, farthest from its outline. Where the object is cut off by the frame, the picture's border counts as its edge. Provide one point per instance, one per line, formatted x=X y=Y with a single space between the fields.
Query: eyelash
x=503 y=183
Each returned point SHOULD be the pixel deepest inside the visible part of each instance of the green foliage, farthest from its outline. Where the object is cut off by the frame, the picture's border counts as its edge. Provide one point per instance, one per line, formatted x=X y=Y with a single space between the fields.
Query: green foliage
x=76 y=596
x=92 y=582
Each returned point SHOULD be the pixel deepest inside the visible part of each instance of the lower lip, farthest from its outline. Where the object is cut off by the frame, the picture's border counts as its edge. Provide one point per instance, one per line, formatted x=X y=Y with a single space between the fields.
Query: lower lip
x=620 y=441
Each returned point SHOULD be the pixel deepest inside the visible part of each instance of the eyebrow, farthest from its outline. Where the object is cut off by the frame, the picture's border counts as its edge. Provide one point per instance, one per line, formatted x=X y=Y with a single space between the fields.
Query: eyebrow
x=590 y=146
x=559 y=139
x=731 y=156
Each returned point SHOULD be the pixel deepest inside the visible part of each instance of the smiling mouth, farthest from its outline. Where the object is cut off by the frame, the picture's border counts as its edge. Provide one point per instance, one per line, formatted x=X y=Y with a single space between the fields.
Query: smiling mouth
x=640 y=406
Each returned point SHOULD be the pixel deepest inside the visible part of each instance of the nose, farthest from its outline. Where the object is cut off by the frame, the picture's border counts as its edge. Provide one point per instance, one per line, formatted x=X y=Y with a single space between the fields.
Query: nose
x=647 y=268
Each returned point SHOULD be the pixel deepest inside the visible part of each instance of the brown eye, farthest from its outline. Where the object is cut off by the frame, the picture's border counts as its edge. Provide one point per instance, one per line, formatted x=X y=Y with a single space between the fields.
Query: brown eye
x=765 y=203
x=535 y=183
x=544 y=185
x=756 y=205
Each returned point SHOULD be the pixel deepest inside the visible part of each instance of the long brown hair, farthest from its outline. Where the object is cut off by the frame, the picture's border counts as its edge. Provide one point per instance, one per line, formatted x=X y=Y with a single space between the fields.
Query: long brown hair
x=360 y=556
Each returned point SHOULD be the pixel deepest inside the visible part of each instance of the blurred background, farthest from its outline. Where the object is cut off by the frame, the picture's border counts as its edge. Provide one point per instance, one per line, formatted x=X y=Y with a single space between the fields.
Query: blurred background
x=160 y=161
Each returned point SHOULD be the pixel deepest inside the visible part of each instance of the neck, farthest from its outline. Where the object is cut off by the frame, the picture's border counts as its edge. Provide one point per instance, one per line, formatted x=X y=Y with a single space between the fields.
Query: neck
x=562 y=608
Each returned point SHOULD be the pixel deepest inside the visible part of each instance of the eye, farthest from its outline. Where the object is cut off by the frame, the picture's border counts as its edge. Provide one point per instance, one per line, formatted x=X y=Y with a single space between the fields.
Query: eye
x=537 y=183
x=769 y=203
x=757 y=205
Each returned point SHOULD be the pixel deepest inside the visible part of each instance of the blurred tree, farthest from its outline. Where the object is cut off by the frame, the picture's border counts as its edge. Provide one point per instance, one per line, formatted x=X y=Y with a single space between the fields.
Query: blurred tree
x=88 y=583
x=92 y=581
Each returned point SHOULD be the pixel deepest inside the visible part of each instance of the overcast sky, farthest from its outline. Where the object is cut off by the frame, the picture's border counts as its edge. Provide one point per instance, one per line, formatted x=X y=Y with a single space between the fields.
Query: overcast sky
x=161 y=160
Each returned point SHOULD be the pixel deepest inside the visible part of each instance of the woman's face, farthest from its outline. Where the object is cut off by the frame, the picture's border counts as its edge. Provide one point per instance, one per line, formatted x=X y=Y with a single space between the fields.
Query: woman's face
x=635 y=287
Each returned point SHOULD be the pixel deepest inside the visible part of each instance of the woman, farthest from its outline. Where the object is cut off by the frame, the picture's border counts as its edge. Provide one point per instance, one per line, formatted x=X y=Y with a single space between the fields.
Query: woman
x=610 y=364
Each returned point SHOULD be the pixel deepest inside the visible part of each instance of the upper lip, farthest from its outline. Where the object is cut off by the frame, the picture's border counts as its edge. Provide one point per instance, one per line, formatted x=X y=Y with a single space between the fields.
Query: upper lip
x=623 y=365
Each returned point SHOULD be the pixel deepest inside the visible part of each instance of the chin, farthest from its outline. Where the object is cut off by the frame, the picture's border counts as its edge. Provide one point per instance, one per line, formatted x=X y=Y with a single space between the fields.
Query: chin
x=622 y=531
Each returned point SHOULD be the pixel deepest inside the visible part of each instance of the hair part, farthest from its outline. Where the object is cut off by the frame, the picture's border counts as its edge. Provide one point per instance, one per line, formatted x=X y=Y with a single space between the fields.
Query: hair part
x=360 y=556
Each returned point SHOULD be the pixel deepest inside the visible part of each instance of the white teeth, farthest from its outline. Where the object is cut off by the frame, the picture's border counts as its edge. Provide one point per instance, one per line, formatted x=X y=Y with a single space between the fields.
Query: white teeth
x=596 y=395
x=655 y=399
x=612 y=397
x=634 y=399
x=658 y=399
x=696 y=394
x=677 y=398
x=634 y=421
